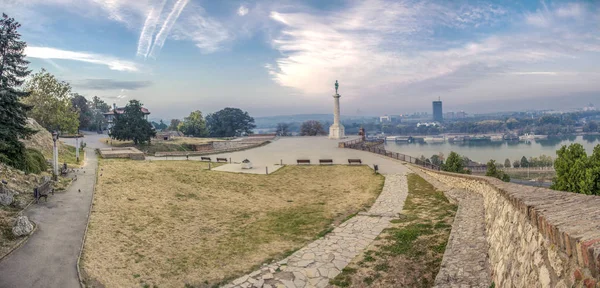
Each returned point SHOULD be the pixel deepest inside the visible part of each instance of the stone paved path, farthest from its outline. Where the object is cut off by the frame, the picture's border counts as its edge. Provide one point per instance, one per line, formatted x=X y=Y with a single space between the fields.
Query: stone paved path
x=465 y=262
x=322 y=260
x=49 y=257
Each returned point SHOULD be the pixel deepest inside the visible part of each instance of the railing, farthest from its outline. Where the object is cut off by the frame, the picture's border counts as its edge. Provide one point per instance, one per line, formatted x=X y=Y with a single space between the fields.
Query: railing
x=359 y=144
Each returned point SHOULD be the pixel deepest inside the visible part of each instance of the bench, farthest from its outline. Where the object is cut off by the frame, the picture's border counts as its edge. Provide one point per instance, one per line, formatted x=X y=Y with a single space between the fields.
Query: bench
x=303 y=161
x=205 y=159
x=43 y=191
x=222 y=160
x=351 y=161
x=326 y=161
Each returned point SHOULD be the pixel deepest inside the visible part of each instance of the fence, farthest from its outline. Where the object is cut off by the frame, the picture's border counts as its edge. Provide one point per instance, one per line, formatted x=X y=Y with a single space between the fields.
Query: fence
x=371 y=146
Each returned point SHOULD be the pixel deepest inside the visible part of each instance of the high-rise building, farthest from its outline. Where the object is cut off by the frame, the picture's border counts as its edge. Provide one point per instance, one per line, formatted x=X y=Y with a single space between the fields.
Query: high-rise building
x=437 y=111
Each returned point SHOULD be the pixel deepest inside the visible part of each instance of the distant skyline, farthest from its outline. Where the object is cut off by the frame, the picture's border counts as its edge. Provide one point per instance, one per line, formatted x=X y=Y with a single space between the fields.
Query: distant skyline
x=283 y=57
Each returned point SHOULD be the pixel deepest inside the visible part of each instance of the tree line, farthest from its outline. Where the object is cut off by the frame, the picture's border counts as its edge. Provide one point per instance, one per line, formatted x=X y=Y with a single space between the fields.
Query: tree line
x=227 y=122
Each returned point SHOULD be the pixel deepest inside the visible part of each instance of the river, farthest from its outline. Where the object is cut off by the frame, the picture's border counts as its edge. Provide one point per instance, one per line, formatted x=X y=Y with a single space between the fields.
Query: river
x=499 y=151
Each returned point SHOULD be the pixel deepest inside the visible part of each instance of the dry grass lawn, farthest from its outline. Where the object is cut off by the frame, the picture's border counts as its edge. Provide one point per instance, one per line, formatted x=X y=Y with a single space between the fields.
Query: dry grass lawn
x=172 y=223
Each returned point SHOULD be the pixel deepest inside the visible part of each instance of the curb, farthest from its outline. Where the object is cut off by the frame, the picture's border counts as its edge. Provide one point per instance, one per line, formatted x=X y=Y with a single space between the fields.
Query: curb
x=81 y=283
x=21 y=242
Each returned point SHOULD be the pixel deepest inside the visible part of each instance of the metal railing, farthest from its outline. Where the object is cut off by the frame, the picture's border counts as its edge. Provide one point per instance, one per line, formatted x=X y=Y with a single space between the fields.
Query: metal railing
x=359 y=144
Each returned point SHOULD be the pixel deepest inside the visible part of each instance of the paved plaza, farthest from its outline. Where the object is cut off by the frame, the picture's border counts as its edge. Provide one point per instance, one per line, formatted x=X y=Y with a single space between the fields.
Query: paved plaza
x=287 y=150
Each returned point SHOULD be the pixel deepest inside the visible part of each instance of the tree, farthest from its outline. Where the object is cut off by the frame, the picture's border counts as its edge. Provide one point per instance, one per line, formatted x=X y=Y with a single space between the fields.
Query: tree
x=174 y=124
x=229 y=122
x=132 y=125
x=160 y=125
x=507 y=163
x=311 y=128
x=575 y=171
x=193 y=125
x=80 y=104
x=455 y=163
x=13 y=113
x=282 y=129
x=99 y=104
x=436 y=160
x=51 y=101
x=524 y=162
x=517 y=164
x=493 y=171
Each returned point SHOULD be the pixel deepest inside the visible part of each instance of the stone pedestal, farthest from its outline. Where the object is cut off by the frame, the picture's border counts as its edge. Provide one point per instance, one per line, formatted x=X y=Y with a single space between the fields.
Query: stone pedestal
x=336 y=130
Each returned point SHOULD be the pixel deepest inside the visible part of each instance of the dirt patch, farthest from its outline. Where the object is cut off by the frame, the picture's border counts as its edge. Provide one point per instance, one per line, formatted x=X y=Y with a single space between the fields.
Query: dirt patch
x=171 y=223
x=409 y=253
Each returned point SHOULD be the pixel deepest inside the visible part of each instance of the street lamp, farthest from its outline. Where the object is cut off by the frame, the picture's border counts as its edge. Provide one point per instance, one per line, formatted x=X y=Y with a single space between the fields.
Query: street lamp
x=55 y=156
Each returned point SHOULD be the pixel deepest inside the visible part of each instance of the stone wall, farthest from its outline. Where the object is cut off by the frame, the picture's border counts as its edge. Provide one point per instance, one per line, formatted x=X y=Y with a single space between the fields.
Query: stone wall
x=537 y=237
x=121 y=152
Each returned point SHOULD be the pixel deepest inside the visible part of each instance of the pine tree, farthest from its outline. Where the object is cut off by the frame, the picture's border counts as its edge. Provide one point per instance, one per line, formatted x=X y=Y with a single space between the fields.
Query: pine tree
x=13 y=70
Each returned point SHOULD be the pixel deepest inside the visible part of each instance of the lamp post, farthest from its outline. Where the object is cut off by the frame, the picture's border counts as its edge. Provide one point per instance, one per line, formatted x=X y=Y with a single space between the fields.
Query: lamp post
x=55 y=156
x=77 y=146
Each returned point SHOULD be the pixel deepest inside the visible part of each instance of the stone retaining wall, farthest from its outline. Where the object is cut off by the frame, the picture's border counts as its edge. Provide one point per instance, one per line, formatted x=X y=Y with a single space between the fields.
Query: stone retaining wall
x=121 y=152
x=538 y=237
x=211 y=151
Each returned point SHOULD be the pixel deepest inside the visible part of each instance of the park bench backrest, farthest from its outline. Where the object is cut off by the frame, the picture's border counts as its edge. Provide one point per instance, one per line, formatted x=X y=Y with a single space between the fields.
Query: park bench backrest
x=205 y=158
x=221 y=159
x=350 y=161
x=323 y=161
x=303 y=161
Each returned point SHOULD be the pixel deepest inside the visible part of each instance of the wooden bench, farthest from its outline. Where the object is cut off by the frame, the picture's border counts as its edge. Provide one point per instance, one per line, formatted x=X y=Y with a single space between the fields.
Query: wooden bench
x=351 y=161
x=205 y=159
x=222 y=160
x=43 y=191
x=326 y=161
x=303 y=161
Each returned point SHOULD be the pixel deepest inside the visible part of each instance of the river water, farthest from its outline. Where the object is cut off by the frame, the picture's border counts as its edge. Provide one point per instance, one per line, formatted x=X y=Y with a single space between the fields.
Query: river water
x=499 y=151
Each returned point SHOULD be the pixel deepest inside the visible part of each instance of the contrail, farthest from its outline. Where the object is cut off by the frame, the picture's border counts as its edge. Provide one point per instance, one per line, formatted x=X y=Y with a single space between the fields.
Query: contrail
x=148 y=30
x=159 y=41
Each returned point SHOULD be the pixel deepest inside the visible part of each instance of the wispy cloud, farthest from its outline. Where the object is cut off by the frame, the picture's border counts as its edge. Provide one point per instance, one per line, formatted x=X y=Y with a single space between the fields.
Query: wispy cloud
x=147 y=34
x=243 y=10
x=98 y=59
x=376 y=47
x=110 y=84
x=159 y=41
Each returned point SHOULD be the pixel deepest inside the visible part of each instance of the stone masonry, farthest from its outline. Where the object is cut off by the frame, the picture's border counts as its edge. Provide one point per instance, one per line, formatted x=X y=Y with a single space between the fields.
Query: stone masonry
x=465 y=262
x=537 y=237
x=315 y=264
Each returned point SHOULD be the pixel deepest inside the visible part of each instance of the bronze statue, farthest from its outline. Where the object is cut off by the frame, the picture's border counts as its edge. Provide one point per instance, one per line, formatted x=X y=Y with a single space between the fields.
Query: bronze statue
x=336 y=86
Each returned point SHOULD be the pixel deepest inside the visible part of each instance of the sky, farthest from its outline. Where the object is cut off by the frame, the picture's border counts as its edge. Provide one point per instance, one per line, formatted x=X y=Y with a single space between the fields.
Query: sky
x=283 y=57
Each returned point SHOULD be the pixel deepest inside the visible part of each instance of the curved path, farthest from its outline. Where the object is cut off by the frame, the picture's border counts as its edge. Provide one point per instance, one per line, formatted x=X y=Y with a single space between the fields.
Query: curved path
x=320 y=261
x=49 y=257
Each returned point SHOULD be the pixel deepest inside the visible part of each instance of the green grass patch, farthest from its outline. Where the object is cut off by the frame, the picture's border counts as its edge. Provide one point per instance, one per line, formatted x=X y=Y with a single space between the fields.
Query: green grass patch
x=410 y=253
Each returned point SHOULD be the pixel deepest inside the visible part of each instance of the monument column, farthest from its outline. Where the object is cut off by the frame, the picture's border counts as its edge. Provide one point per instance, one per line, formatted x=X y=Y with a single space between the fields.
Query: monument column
x=336 y=130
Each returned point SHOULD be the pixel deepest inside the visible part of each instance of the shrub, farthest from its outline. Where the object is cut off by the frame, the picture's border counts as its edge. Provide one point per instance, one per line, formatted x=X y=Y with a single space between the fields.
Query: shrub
x=34 y=162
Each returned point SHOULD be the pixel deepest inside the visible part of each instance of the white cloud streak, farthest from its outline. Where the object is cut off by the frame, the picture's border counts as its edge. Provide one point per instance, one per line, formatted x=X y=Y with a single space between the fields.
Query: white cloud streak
x=98 y=59
x=146 y=36
x=159 y=41
x=243 y=10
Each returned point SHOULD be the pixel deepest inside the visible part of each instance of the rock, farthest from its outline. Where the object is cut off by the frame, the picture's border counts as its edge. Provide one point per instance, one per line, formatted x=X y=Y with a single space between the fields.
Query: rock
x=6 y=199
x=22 y=226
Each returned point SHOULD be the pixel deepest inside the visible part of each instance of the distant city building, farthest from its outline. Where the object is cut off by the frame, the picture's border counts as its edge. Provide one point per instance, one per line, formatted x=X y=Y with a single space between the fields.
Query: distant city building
x=385 y=119
x=461 y=115
x=427 y=124
x=437 y=111
x=589 y=107
x=449 y=115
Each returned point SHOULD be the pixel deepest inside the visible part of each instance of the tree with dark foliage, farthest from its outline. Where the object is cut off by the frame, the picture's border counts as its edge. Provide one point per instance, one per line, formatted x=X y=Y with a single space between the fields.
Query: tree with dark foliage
x=85 y=114
x=311 y=128
x=13 y=113
x=229 y=122
x=283 y=129
x=132 y=125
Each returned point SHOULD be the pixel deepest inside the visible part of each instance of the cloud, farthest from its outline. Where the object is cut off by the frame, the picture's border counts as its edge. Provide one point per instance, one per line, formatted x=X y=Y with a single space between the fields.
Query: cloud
x=159 y=41
x=99 y=59
x=380 y=48
x=242 y=11
x=147 y=34
x=111 y=84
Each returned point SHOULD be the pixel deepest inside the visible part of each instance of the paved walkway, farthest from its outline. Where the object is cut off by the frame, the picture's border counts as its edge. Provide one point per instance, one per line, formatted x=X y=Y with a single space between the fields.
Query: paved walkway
x=322 y=260
x=49 y=257
x=287 y=150
x=465 y=262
